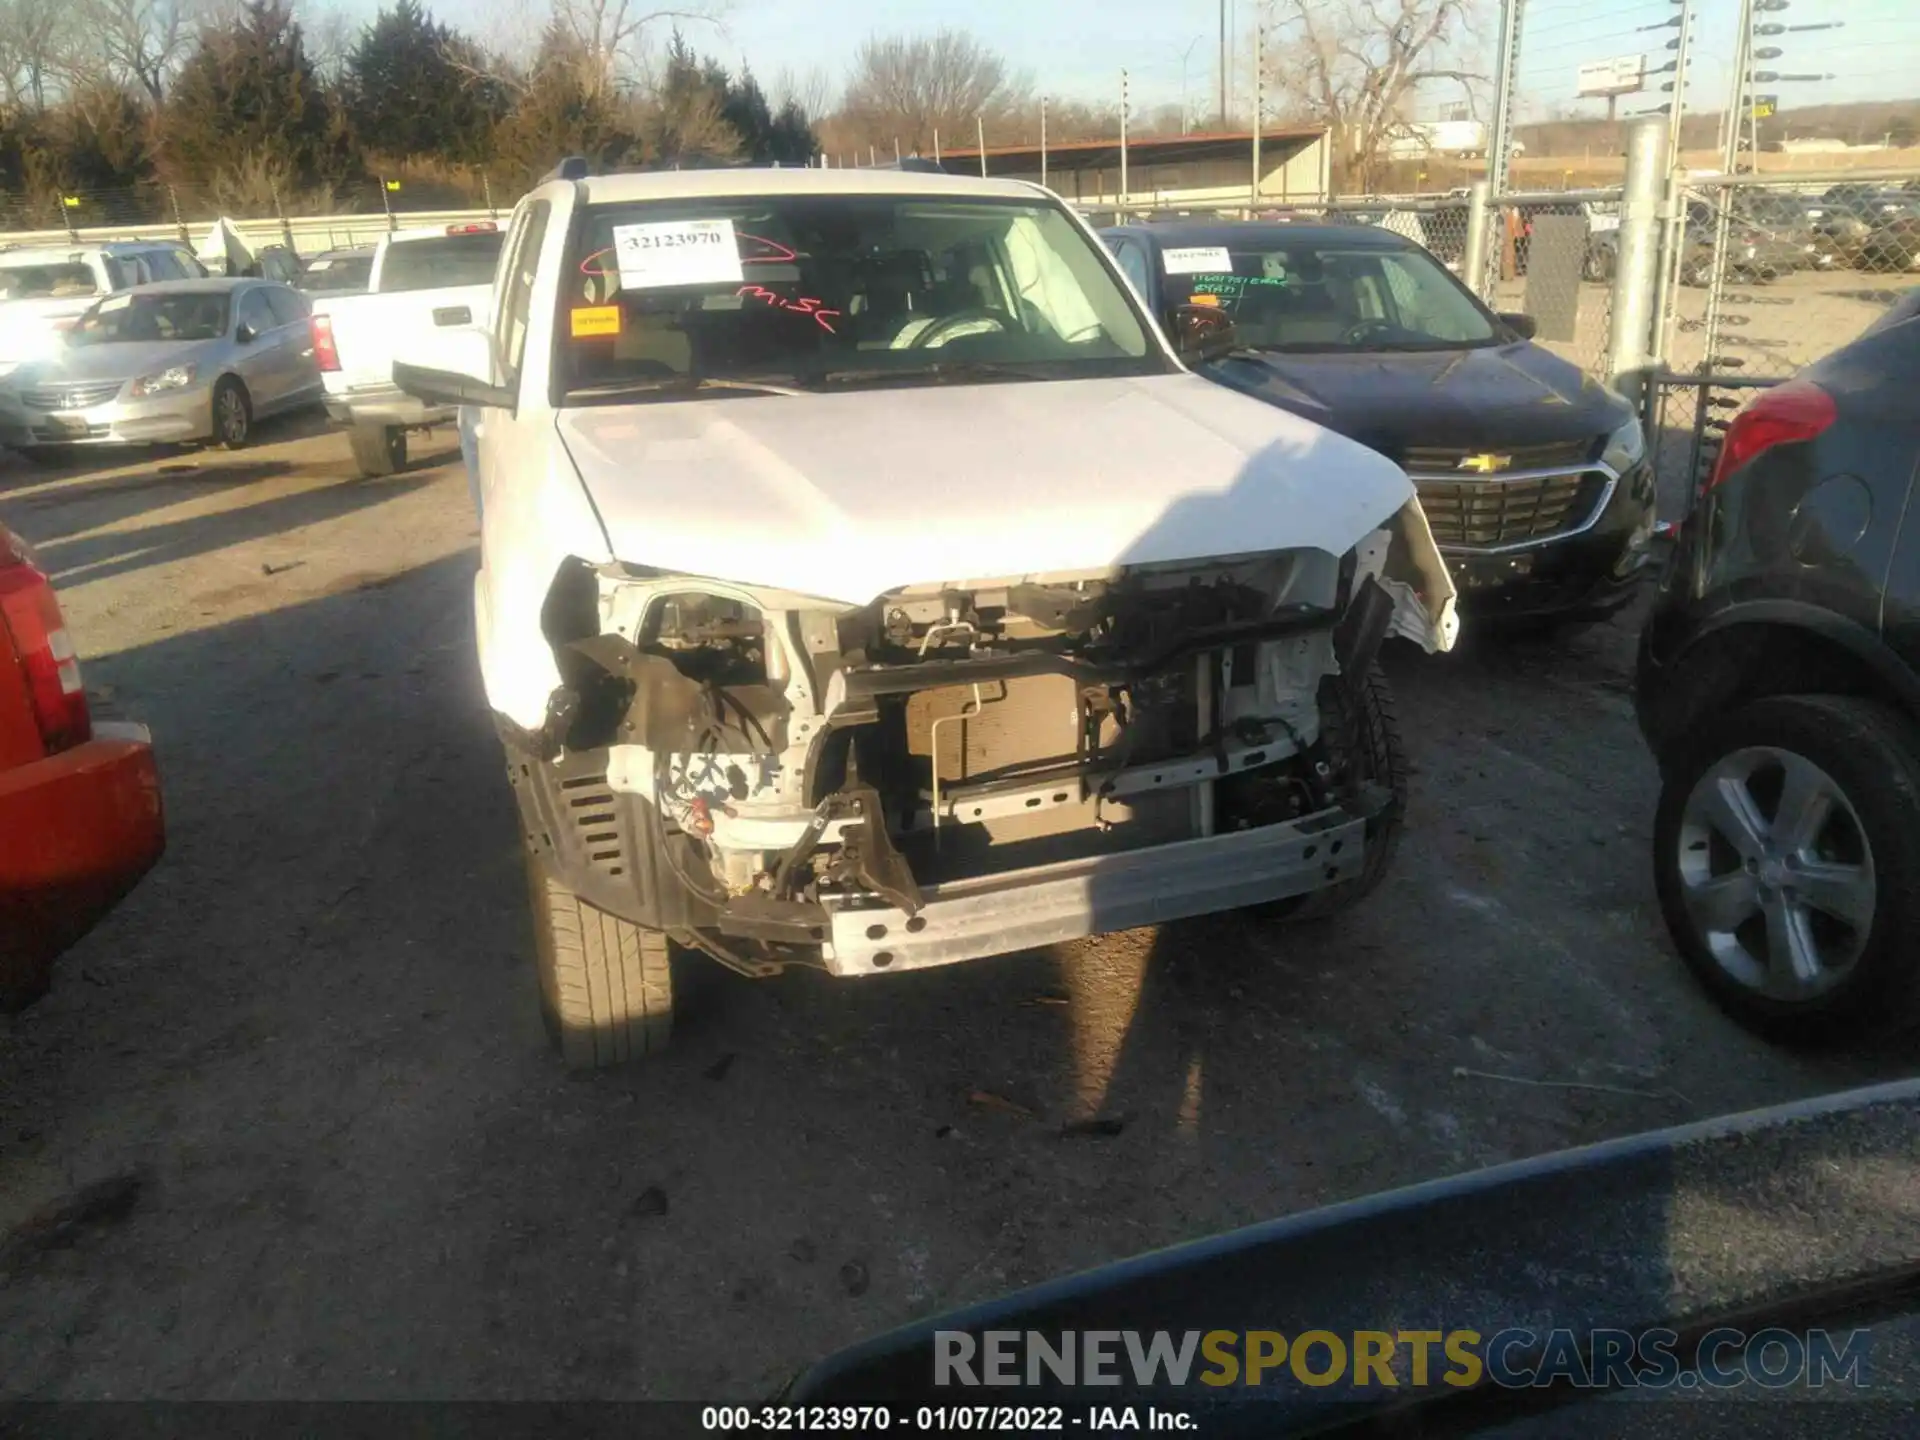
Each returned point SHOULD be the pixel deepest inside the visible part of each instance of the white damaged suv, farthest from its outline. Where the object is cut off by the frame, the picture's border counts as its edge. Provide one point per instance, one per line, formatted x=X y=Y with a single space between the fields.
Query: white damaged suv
x=866 y=584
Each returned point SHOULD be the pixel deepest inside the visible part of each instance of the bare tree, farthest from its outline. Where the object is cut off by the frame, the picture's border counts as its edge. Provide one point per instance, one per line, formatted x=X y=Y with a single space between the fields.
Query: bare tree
x=610 y=37
x=1355 y=65
x=136 y=43
x=812 y=92
x=37 y=49
x=329 y=35
x=907 y=87
x=605 y=45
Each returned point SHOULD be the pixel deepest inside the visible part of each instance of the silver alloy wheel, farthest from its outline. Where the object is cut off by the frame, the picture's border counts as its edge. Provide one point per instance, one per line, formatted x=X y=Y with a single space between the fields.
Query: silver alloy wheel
x=232 y=419
x=1776 y=873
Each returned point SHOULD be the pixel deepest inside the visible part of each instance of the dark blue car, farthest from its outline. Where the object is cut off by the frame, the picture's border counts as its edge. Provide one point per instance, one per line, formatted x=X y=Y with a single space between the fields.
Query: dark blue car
x=1534 y=477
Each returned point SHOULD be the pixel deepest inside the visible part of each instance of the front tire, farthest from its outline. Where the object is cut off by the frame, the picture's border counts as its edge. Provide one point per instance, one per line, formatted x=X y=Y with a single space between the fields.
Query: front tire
x=606 y=984
x=232 y=414
x=1360 y=730
x=1787 y=862
x=378 y=449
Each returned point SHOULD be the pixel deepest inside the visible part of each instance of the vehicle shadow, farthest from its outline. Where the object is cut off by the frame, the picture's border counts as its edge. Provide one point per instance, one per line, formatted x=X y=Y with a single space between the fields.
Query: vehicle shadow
x=71 y=560
x=1547 y=935
x=83 y=501
x=311 y=1034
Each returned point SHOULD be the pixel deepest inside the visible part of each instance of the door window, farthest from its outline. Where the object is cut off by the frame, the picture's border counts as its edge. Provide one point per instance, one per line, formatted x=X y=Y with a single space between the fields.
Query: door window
x=1133 y=261
x=256 y=313
x=289 y=307
x=162 y=266
x=516 y=300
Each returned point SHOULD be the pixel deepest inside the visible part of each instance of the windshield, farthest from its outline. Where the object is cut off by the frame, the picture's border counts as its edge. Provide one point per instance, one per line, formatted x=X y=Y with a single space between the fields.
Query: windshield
x=1326 y=297
x=839 y=290
x=46 y=282
x=337 y=272
x=146 y=317
x=440 y=262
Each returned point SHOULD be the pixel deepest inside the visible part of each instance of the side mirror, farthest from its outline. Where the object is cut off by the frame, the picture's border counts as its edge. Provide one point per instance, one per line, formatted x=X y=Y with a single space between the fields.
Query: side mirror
x=246 y=334
x=451 y=366
x=1202 y=332
x=1525 y=326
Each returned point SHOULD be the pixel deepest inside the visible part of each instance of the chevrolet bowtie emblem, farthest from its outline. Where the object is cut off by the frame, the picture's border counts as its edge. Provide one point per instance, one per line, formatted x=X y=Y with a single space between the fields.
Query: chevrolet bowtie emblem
x=1485 y=464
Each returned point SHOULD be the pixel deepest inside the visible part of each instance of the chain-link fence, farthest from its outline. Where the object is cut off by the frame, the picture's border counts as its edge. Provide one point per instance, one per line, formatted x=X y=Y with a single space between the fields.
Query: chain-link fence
x=1768 y=275
x=1553 y=257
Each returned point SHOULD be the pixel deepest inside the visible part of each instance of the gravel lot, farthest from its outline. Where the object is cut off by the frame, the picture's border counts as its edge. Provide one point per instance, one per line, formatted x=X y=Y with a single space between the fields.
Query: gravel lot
x=305 y=1054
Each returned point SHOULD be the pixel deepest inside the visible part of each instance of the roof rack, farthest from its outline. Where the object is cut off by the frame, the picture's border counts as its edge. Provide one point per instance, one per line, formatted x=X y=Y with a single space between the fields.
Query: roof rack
x=574 y=167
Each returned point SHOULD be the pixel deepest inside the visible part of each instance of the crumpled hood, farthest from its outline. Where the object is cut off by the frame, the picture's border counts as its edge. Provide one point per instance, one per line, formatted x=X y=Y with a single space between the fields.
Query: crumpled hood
x=847 y=496
x=1512 y=395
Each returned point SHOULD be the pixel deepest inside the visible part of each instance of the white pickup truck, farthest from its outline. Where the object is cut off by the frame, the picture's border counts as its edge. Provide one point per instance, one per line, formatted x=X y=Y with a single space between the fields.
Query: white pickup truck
x=421 y=279
x=867 y=584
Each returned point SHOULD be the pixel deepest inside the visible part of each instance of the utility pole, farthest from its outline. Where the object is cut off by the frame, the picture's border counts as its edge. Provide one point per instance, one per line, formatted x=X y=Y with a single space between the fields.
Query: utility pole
x=1259 y=107
x=1500 y=143
x=980 y=132
x=1739 y=92
x=1223 y=64
x=1043 y=142
x=1633 y=322
x=1677 y=113
x=1123 y=147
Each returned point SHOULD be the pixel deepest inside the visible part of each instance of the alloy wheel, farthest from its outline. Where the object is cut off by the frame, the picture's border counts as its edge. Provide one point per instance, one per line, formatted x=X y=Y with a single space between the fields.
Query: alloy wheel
x=233 y=416
x=1776 y=873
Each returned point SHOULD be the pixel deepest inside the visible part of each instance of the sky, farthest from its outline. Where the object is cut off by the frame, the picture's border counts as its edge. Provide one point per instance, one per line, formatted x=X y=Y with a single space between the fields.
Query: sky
x=1170 y=48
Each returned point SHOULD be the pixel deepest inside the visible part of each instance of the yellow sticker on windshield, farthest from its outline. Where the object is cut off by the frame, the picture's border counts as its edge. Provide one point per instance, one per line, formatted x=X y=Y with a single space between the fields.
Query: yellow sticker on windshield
x=1203 y=299
x=594 y=320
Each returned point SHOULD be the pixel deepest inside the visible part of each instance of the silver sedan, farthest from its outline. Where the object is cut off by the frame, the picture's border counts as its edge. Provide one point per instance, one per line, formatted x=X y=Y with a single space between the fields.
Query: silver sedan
x=183 y=360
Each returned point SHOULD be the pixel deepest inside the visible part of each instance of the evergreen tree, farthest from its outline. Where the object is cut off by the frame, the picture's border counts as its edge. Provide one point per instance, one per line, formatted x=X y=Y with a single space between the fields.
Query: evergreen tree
x=248 y=95
x=418 y=88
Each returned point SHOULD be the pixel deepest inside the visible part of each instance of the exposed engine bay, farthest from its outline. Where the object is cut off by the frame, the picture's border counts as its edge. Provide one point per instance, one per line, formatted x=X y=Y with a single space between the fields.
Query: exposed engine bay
x=774 y=774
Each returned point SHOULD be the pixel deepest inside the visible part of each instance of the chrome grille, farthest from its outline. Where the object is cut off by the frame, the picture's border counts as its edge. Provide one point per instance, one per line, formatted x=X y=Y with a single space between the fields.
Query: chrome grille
x=1445 y=459
x=1482 y=513
x=71 y=397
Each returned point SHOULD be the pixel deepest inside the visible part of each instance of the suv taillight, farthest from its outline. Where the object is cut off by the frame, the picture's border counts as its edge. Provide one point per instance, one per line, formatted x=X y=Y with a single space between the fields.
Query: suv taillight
x=1798 y=410
x=324 y=350
x=30 y=614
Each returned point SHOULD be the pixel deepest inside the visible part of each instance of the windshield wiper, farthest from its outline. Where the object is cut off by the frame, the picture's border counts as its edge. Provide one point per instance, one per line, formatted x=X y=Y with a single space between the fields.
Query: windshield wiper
x=944 y=371
x=679 y=385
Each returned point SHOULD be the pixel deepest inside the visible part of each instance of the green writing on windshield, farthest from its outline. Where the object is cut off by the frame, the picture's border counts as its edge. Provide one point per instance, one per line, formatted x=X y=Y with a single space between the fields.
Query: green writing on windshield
x=1230 y=284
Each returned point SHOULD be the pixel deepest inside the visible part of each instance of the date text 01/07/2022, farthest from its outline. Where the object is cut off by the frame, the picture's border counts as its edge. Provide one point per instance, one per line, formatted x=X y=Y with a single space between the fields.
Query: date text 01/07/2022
x=975 y=1419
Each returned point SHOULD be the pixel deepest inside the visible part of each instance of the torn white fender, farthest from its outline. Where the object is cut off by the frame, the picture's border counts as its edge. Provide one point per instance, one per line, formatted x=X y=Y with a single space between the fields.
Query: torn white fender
x=1415 y=575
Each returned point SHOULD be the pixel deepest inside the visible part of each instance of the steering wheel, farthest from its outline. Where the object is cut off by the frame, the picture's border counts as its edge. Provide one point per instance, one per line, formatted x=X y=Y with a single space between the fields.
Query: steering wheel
x=932 y=335
x=1361 y=330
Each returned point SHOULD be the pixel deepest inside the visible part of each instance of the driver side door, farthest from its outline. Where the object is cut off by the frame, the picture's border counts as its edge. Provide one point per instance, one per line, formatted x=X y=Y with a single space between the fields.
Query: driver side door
x=261 y=359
